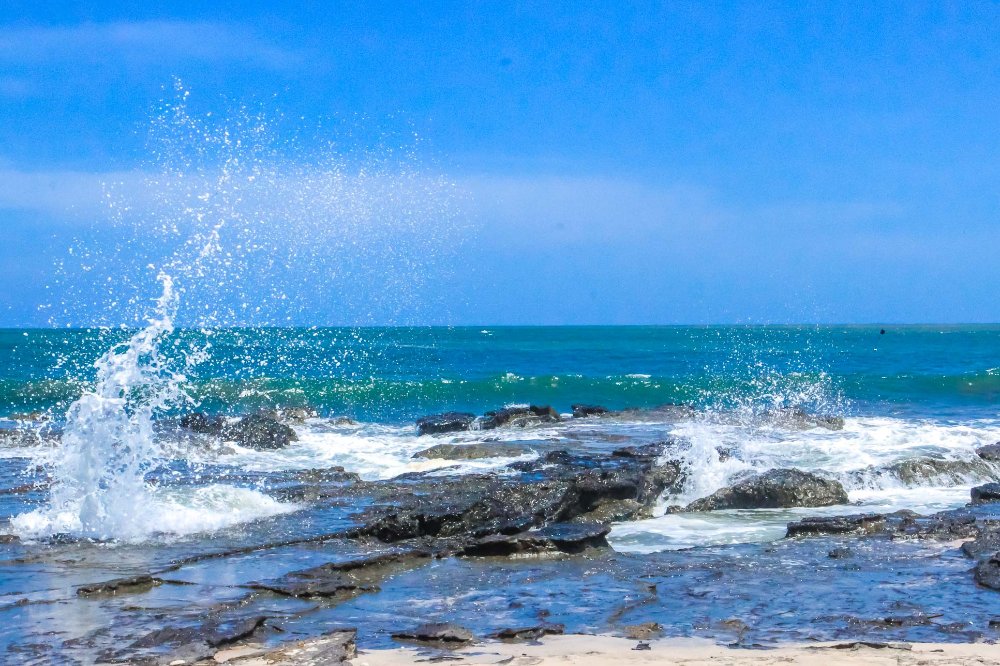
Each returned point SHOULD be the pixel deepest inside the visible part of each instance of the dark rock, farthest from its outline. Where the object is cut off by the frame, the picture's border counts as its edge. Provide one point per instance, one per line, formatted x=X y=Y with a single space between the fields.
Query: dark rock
x=840 y=554
x=441 y=633
x=642 y=646
x=990 y=452
x=202 y=423
x=9 y=538
x=518 y=417
x=986 y=493
x=570 y=538
x=529 y=633
x=343 y=421
x=447 y=422
x=986 y=542
x=779 y=488
x=583 y=411
x=558 y=487
x=260 y=432
x=473 y=451
x=987 y=572
x=859 y=524
x=643 y=632
x=130 y=585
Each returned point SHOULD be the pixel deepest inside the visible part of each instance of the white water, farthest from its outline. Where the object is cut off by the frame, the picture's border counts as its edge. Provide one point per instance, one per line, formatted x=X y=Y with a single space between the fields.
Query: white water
x=100 y=488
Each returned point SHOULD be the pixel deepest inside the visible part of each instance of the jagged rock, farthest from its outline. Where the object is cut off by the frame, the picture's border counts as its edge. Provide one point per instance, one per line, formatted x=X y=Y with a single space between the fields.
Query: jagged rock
x=439 y=633
x=446 y=422
x=520 y=417
x=779 y=488
x=859 y=524
x=129 y=585
x=987 y=572
x=840 y=554
x=556 y=488
x=985 y=494
x=583 y=411
x=570 y=538
x=260 y=432
x=202 y=423
x=529 y=633
x=473 y=451
x=990 y=452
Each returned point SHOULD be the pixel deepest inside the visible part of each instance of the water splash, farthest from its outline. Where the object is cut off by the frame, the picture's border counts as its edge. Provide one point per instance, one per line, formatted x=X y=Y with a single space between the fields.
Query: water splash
x=244 y=227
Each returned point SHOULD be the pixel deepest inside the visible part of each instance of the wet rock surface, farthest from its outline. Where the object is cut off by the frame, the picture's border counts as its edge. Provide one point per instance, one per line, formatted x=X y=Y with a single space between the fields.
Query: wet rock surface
x=984 y=494
x=474 y=451
x=260 y=432
x=446 y=422
x=528 y=542
x=437 y=633
x=780 y=488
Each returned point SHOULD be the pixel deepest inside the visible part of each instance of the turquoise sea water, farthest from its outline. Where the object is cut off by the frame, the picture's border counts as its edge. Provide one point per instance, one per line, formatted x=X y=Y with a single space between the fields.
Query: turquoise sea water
x=393 y=375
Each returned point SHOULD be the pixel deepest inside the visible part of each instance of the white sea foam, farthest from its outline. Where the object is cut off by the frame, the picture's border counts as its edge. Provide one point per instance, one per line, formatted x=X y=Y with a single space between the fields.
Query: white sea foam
x=372 y=451
x=173 y=511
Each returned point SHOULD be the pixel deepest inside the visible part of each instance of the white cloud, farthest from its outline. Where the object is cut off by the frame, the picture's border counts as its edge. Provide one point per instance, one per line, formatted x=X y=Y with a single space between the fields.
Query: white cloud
x=145 y=41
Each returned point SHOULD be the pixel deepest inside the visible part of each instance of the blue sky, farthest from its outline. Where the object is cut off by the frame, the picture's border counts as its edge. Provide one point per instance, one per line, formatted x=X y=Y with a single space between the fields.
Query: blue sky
x=623 y=162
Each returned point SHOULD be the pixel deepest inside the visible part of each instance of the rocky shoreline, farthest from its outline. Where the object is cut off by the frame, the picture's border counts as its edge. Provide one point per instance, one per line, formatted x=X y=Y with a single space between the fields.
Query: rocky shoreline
x=546 y=518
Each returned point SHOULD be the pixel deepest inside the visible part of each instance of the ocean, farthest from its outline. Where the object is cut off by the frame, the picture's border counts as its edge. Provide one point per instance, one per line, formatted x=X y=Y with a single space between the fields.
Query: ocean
x=893 y=413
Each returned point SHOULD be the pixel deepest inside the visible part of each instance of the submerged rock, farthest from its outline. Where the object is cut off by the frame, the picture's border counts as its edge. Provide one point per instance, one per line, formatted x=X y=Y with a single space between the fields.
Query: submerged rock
x=439 y=633
x=473 y=451
x=985 y=494
x=260 y=432
x=133 y=584
x=776 y=489
x=446 y=422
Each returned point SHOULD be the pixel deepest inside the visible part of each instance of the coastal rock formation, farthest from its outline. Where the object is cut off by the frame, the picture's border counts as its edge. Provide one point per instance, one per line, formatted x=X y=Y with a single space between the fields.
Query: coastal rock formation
x=519 y=417
x=990 y=452
x=203 y=423
x=796 y=418
x=259 y=432
x=868 y=523
x=778 y=488
x=437 y=633
x=584 y=411
x=571 y=538
x=446 y=422
x=937 y=471
x=473 y=451
x=985 y=494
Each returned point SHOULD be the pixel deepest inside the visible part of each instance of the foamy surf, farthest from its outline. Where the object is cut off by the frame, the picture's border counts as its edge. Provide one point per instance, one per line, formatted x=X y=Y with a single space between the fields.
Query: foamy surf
x=163 y=512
